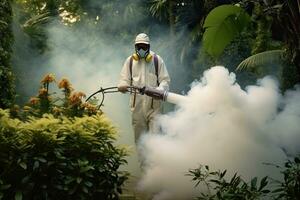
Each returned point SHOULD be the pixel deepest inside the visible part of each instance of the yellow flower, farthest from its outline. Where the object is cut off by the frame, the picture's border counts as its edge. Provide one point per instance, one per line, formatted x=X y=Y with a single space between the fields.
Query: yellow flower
x=34 y=100
x=48 y=78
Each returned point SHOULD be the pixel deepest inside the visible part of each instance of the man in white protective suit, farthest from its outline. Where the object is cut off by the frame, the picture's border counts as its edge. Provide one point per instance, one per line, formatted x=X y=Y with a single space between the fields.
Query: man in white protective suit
x=144 y=68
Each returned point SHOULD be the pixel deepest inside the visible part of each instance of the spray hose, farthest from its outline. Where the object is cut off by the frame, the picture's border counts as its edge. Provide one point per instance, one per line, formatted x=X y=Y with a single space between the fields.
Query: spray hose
x=151 y=92
x=110 y=90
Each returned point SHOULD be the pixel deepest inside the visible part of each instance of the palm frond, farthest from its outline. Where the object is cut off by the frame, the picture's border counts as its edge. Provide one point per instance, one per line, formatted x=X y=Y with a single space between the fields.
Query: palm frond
x=158 y=8
x=36 y=20
x=260 y=59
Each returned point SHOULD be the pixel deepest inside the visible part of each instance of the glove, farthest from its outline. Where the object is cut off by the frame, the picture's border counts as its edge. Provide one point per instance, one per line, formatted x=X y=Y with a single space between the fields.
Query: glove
x=123 y=88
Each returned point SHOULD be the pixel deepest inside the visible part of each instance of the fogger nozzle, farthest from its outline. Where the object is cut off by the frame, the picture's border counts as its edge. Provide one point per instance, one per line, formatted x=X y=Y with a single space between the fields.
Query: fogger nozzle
x=163 y=95
x=154 y=93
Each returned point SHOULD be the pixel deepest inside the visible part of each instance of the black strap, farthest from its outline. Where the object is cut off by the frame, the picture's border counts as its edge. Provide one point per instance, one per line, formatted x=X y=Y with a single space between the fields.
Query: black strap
x=130 y=69
x=156 y=68
x=131 y=78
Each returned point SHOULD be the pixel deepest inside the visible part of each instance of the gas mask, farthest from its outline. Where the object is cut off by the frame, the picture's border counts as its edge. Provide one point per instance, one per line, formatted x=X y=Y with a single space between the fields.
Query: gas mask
x=142 y=53
x=142 y=50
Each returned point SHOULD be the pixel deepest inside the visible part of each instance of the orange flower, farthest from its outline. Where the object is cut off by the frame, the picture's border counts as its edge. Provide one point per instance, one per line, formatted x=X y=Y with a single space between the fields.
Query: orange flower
x=34 y=100
x=65 y=84
x=81 y=94
x=90 y=108
x=43 y=92
x=76 y=98
x=48 y=78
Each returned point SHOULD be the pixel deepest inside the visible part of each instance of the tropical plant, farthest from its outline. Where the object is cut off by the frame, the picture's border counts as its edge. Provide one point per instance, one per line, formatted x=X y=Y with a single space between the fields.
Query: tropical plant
x=283 y=15
x=164 y=9
x=190 y=19
x=219 y=187
x=289 y=188
x=59 y=158
x=261 y=59
x=185 y=17
x=7 y=88
x=221 y=26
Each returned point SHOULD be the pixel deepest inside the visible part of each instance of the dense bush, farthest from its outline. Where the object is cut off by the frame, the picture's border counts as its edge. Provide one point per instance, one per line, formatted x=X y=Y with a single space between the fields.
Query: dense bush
x=236 y=188
x=6 y=40
x=59 y=158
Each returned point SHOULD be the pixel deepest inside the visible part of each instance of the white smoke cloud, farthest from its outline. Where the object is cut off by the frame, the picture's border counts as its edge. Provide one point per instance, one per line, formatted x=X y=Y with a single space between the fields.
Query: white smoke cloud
x=225 y=127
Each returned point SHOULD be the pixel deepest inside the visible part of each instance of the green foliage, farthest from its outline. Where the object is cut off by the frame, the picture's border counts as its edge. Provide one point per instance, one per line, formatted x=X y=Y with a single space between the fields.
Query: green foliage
x=289 y=76
x=6 y=41
x=235 y=188
x=272 y=20
x=262 y=59
x=34 y=27
x=238 y=50
x=290 y=187
x=158 y=8
x=59 y=158
x=221 y=26
x=263 y=38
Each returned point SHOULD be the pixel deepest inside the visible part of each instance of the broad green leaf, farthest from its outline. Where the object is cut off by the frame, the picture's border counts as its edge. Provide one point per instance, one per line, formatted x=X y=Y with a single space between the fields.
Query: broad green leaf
x=263 y=183
x=253 y=183
x=18 y=195
x=221 y=26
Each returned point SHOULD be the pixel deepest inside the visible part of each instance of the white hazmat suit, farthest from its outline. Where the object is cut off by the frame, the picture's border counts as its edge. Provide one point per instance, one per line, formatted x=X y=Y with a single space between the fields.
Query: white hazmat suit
x=144 y=108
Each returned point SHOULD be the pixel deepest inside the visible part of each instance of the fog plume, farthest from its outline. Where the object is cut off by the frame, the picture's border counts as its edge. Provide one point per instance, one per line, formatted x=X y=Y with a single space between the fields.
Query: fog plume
x=225 y=127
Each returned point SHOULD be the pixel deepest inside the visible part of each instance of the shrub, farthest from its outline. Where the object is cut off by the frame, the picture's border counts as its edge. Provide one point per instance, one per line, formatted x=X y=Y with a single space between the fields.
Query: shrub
x=59 y=158
x=236 y=188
